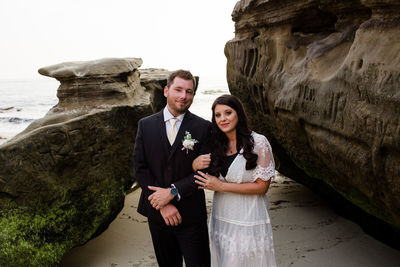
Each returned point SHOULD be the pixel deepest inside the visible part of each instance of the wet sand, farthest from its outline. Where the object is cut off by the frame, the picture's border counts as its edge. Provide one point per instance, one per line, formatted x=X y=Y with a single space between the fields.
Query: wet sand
x=307 y=233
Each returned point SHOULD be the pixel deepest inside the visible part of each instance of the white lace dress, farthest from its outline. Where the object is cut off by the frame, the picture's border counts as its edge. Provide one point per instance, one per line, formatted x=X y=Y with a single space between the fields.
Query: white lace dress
x=240 y=228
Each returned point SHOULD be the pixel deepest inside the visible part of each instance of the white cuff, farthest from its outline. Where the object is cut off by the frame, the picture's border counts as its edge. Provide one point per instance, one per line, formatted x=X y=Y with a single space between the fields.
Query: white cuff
x=178 y=196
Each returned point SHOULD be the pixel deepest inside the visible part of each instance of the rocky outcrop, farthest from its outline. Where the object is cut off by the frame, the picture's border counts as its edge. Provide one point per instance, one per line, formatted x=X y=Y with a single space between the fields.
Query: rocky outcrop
x=321 y=80
x=63 y=179
x=104 y=80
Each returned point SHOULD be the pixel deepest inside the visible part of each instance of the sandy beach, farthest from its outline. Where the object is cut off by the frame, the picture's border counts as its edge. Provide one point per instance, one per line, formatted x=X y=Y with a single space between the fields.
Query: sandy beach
x=306 y=233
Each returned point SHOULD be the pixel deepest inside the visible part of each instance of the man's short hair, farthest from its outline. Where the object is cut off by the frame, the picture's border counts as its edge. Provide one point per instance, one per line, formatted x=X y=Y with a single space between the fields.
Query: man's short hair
x=184 y=74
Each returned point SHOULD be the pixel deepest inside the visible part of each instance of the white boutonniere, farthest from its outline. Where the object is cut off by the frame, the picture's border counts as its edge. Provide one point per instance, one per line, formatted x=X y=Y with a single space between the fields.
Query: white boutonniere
x=188 y=142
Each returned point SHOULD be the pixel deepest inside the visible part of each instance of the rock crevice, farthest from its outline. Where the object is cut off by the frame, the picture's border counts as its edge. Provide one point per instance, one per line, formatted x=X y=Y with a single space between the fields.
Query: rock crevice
x=321 y=79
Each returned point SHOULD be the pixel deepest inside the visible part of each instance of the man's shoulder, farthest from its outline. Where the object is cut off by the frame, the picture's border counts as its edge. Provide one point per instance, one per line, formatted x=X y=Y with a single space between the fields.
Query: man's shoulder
x=199 y=119
x=150 y=118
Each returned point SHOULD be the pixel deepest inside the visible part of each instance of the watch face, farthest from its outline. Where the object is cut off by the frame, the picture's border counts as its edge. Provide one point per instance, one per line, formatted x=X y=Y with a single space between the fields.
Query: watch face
x=174 y=191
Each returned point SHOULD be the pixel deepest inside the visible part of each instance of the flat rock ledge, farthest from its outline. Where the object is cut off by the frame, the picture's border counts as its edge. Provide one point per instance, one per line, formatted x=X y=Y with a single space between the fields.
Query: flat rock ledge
x=63 y=180
x=99 y=82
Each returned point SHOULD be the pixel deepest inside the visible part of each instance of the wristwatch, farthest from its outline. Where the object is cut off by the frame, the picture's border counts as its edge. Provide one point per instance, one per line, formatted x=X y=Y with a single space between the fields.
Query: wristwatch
x=174 y=190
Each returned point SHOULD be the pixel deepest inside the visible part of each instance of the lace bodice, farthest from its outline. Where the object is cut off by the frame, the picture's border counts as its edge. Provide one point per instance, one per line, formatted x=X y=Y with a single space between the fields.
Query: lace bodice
x=264 y=170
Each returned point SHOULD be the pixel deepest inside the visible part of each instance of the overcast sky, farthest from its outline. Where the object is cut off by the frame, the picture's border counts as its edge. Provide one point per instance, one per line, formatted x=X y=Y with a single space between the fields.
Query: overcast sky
x=171 y=34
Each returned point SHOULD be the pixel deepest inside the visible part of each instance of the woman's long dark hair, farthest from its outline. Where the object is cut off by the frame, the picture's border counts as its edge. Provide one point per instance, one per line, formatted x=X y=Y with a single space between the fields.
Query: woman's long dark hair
x=243 y=136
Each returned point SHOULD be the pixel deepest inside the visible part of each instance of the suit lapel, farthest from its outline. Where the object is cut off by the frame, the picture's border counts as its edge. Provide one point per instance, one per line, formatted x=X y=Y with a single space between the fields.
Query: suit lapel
x=164 y=139
x=187 y=121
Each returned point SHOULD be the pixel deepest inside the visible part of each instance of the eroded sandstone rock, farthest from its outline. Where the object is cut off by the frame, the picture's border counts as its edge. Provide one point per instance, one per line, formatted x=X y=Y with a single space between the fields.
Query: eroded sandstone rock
x=63 y=179
x=321 y=80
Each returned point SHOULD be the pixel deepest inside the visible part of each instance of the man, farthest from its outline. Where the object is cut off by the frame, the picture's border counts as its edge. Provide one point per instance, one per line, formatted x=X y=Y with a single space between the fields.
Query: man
x=170 y=198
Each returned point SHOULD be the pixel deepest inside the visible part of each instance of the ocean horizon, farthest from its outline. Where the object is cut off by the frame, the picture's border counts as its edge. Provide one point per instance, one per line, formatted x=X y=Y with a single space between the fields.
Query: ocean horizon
x=25 y=100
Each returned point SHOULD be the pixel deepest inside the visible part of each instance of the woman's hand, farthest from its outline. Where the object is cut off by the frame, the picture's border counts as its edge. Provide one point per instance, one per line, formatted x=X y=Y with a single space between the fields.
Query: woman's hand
x=207 y=181
x=201 y=162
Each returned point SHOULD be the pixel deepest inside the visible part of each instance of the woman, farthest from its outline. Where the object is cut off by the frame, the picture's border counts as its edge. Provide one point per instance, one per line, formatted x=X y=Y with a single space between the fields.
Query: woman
x=240 y=229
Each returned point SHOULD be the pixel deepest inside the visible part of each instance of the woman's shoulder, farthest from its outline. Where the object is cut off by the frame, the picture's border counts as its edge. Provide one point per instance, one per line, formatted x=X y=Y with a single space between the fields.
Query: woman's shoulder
x=259 y=139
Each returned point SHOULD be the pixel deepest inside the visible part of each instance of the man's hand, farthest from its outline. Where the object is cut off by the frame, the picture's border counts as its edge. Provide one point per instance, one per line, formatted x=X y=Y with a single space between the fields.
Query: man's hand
x=171 y=215
x=160 y=198
x=201 y=162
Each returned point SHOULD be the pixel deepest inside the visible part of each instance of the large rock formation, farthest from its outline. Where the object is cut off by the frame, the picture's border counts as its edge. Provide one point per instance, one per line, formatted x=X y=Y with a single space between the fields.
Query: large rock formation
x=321 y=80
x=63 y=179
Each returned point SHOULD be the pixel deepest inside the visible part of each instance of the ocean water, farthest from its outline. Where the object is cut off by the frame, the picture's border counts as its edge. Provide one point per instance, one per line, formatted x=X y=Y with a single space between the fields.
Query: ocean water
x=23 y=101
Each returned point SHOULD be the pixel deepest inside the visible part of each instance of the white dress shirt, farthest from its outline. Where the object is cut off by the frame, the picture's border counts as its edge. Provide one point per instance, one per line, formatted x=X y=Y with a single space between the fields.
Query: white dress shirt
x=168 y=115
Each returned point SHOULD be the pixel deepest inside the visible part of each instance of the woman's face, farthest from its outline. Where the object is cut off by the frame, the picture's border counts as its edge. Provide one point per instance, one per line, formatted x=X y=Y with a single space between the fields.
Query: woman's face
x=226 y=118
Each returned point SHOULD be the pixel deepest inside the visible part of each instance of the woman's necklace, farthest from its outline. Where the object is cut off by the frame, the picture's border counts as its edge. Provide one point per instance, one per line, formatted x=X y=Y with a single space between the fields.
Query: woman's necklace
x=231 y=148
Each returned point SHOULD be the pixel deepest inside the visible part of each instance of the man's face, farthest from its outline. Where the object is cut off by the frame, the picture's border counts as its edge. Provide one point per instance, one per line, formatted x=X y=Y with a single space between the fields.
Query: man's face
x=179 y=96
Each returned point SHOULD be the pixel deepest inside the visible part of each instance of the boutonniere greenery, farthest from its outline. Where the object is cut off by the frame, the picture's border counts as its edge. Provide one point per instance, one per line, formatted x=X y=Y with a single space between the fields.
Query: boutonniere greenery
x=188 y=142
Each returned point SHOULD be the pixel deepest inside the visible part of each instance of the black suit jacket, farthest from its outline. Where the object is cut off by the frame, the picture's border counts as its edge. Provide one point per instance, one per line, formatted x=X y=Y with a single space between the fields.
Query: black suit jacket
x=158 y=163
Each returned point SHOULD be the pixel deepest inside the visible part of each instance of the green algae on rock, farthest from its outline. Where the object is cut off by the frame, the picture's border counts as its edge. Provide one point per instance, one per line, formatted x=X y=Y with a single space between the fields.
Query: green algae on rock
x=63 y=180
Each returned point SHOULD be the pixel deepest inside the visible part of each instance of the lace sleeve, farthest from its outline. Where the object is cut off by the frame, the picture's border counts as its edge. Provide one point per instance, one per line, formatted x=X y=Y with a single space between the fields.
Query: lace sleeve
x=265 y=168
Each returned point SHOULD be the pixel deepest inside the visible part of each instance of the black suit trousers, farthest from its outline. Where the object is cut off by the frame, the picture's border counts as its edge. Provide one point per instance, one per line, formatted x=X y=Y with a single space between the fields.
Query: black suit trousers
x=171 y=242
